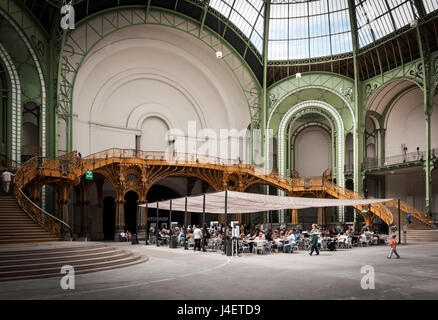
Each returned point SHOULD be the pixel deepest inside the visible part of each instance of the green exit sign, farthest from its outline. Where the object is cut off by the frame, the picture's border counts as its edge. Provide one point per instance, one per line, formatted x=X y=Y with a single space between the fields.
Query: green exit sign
x=88 y=175
x=364 y=211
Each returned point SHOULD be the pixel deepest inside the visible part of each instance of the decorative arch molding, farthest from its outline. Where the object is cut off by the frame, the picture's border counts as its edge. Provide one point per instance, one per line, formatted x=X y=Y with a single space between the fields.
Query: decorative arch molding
x=279 y=103
x=412 y=71
x=143 y=73
x=340 y=86
x=41 y=81
x=89 y=32
x=137 y=118
x=394 y=82
x=293 y=112
x=15 y=103
x=328 y=117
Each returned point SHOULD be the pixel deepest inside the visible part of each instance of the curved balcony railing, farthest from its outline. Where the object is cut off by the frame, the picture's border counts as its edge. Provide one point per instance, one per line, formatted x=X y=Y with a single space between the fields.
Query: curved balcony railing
x=52 y=224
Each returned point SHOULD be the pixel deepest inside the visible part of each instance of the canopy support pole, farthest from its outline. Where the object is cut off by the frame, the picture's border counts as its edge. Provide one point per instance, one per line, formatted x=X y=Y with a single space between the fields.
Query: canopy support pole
x=226 y=222
x=147 y=230
x=170 y=215
x=203 y=221
x=156 y=230
x=203 y=210
x=185 y=226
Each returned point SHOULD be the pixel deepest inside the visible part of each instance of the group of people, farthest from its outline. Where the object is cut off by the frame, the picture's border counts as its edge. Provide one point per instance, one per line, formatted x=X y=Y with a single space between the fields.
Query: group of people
x=125 y=236
x=280 y=239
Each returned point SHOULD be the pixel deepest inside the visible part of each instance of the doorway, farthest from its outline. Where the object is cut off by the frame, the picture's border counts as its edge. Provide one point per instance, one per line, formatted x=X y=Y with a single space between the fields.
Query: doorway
x=131 y=211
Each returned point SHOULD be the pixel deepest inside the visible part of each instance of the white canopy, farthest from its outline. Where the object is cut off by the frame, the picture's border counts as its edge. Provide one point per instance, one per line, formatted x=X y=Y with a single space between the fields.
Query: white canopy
x=241 y=202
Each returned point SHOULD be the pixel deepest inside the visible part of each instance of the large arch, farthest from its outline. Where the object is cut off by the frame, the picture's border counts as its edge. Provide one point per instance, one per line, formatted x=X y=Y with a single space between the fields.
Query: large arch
x=37 y=93
x=165 y=78
x=339 y=134
x=15 y=93
x=89 y=32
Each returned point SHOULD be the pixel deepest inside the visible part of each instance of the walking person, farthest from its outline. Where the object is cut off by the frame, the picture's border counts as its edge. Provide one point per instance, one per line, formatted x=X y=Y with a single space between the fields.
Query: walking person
x=408 y=218
x=7 y=179
x=197 y=233
x=314 y=233
x=393 y=247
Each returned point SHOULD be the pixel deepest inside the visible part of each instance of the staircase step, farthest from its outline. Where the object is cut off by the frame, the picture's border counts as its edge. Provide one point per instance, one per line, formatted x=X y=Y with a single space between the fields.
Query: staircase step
x=85 y=269
x=47 y=262
x=48 y=251
x=31 y=240
x=58 y=263
x=15 y=256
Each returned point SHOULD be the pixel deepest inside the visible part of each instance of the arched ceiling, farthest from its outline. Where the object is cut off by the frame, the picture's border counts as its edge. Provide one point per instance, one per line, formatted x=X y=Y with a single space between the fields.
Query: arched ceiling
x=303 y=35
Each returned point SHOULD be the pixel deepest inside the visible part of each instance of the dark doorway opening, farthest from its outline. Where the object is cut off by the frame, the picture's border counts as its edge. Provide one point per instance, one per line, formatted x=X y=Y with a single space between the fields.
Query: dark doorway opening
x=109 y=218
x=158 y=193
x=131 y=211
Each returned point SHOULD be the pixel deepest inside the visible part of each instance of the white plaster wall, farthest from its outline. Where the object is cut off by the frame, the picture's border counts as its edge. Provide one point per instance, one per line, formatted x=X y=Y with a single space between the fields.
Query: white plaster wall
x=152 y=72
x=312 y=152
x=406 y=124
x=409 y=187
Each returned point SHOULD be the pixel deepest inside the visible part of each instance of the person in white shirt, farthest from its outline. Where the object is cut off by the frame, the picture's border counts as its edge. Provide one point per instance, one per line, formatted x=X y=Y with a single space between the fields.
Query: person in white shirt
x=123 y=236
x=6 y=179
x=197 y=235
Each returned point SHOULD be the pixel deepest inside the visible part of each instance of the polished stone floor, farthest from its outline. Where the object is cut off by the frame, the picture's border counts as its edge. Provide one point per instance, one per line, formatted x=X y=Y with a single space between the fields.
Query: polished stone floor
x=180 y=274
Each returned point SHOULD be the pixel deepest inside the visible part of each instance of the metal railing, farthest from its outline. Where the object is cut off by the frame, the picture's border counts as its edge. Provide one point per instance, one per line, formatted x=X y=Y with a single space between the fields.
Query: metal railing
x=371 y=163
x=169 y=158
x=69 y=164
x=52 y=224
x=9 y=164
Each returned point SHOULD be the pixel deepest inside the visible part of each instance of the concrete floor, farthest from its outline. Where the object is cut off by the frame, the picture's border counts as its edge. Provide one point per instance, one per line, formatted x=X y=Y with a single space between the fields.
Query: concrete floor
x=180 y=274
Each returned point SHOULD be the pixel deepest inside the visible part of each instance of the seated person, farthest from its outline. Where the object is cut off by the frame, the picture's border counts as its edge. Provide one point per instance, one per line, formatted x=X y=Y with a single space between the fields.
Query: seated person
x=180 y=236
x=260 y=236
x=123 y=236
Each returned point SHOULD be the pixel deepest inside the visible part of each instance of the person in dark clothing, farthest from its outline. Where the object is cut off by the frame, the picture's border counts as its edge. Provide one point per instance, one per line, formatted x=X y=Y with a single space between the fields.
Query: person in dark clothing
x=205 y=237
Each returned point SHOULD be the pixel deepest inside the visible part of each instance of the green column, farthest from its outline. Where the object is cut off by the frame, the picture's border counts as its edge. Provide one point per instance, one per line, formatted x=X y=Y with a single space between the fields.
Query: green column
x=264 y=111
x=428 y=167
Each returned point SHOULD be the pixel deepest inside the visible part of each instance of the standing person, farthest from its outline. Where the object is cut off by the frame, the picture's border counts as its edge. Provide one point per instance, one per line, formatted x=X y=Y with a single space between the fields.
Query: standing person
x=393 y=247
x=206 y=236
x=197 y=233
x=314 y=234
x=6 y=179
x=408 y=218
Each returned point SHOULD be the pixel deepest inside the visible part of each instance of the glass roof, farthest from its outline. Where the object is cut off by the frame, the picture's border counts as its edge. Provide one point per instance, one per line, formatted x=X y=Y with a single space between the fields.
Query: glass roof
x=299 y=30
x=302 y=29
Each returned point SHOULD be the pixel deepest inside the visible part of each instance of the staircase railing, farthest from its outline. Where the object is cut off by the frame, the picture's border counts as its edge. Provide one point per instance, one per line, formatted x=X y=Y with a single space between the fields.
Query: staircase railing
x=52 y=224
x=415 y=213
x=378 y=208
x=10 y=164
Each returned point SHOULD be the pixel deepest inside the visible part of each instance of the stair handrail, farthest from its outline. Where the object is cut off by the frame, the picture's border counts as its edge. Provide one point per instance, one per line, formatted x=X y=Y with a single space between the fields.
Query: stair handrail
x=9 y=164
x=379 y=207
x=49 y=222
x=408 y=209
